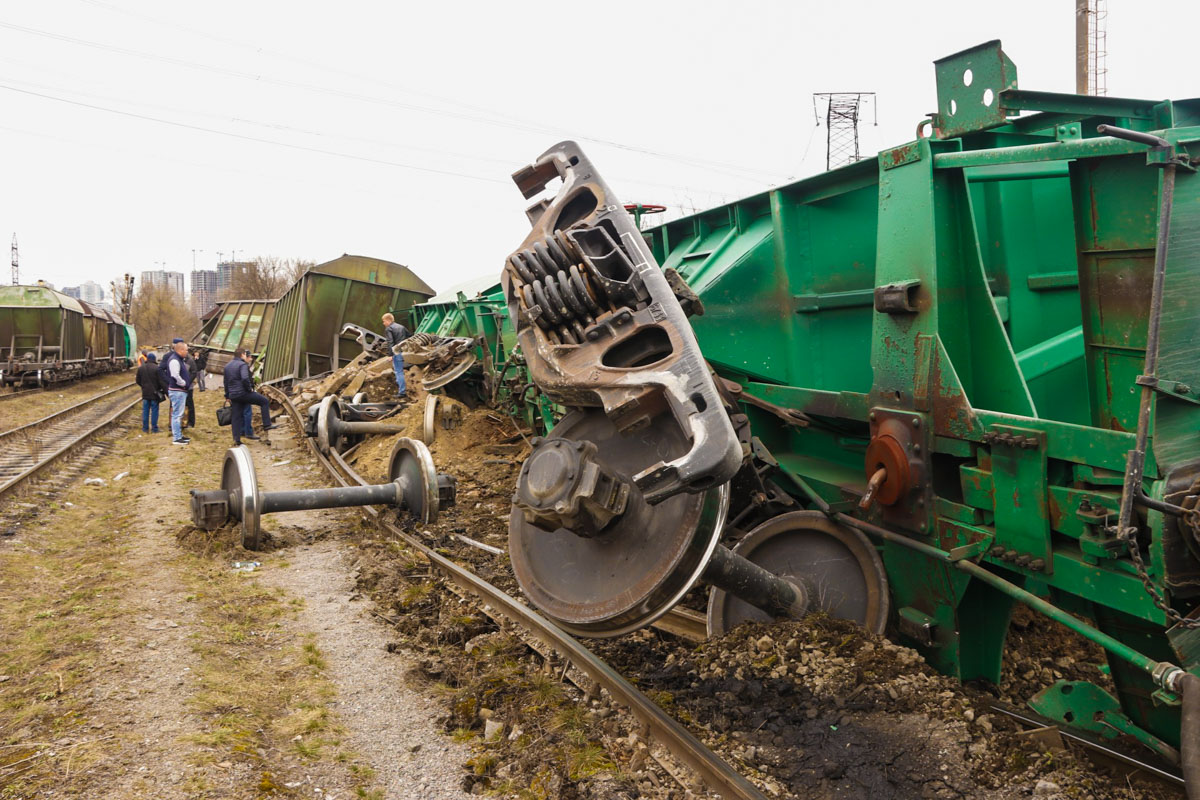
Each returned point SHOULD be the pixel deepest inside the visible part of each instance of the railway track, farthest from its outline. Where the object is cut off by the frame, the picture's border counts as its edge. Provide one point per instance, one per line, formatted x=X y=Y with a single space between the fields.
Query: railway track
x=26 y=451
x=717 y=775
x=19 y=393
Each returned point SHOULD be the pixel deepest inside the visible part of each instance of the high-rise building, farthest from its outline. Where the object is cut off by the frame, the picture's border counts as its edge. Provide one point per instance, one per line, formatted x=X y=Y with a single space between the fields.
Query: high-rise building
x=226 y=271
x=159 y=277
x=91 y=292
x=71 y=291
x=203 y=289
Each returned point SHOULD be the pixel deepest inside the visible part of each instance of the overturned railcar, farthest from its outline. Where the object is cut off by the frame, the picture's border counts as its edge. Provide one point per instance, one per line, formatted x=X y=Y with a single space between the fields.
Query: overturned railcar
x=963 y=375
x=300 y=335
x=234 y=324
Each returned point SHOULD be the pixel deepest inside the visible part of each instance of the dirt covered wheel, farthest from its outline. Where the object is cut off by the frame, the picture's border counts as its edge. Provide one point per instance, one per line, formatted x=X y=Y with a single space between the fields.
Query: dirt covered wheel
x=359 y=398
x=239 y=479
x=412 y=465
x=838 y=567
x=435 y=377
x=429 y=430
x=637 y=568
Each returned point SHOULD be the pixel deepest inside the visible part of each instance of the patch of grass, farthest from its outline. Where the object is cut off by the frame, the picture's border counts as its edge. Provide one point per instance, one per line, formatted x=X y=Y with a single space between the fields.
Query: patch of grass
x=588 y=760
x=59 y=598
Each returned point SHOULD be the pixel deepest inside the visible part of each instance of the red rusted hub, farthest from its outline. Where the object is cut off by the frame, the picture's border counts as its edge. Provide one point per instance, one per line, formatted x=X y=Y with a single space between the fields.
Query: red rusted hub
x=645 y=208
x=885 y=452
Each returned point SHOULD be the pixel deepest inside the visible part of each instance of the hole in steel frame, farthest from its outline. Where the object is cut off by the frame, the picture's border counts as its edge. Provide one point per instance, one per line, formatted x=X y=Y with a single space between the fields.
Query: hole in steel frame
x=988 y=97
x=646 y=347
x=575 y=209
x=953 y=108
x=968 y=76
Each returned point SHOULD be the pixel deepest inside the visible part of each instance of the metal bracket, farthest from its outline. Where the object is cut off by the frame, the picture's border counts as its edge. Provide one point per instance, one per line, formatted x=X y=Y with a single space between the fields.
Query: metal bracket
x=897 y=298
x=918 y=625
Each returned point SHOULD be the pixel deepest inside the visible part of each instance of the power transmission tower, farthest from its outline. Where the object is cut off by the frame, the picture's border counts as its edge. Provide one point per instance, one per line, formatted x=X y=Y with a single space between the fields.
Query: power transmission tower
x=841 y=111
x=1091 y=47
x=16 y=274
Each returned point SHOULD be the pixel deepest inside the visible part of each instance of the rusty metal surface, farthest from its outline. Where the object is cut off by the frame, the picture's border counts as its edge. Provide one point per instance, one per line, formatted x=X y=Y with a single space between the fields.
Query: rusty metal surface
x=600 y=325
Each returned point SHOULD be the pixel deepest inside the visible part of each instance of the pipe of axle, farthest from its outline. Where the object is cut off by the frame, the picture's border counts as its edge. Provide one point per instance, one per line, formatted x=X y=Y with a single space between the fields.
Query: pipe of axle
x=341 y=427
x=337 y=497
x=751 y=583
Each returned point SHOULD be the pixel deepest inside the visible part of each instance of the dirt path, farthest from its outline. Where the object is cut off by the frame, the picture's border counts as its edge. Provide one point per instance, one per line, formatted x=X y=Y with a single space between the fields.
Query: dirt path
x=388 y=725
x=137 y=663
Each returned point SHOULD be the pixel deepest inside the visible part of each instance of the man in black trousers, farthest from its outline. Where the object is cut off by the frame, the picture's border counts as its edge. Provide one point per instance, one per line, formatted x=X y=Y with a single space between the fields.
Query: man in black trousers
x=239 y=388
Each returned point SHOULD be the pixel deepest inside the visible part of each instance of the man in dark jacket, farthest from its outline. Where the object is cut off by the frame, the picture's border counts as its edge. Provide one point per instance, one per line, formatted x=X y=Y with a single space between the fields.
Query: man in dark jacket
x=396 y=333
x=201 y=366
x=154 y=391
x=239 y=388
x=193 y=370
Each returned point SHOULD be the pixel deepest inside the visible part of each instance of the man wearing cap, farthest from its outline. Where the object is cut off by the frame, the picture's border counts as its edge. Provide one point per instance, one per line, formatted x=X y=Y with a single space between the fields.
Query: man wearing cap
x=154 y=389
x=239 y=388
x=179 y=381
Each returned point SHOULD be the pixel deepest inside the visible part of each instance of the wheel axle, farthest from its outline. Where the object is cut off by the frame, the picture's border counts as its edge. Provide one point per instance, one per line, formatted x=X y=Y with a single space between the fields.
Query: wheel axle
x=338 y=424
x=413 y=486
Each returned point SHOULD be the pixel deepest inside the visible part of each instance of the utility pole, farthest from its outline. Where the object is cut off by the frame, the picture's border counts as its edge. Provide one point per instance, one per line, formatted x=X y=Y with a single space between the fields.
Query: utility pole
x=1091 y=47
x=841 y=111
x=123 y=297
x=16 y=271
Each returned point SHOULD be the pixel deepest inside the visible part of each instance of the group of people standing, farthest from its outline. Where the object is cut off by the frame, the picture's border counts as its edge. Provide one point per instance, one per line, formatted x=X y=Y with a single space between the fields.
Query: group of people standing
x=179 y=375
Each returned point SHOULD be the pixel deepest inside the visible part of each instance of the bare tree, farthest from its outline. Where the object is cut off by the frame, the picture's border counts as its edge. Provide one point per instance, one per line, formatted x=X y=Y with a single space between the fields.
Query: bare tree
x=160 y=314
x=265 y=278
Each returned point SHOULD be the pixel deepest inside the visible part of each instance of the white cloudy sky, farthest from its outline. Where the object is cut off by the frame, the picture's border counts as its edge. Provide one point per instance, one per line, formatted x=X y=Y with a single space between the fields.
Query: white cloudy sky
x=135 y=131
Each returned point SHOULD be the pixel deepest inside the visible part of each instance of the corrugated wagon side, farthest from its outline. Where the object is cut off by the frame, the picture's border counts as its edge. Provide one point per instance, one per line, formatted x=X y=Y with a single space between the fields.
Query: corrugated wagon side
x=306 y=337
x=41 y=336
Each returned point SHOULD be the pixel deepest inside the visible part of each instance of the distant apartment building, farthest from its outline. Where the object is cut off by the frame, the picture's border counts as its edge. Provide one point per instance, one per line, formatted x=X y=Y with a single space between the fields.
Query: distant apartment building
x=71 y=291
x=91 y=292
x=203 y=290
x=159 y=277
x=226 y=271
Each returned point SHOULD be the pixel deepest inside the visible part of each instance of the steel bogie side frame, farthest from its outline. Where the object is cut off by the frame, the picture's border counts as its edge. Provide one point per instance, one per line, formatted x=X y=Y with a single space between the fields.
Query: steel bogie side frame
x=982 y=300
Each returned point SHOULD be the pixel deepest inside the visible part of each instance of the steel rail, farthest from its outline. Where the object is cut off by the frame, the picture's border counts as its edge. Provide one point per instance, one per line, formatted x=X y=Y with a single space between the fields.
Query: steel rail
x=1034 y=720
x=20 y=393
x=67 y=448
x=716 y=773
x=61 y=414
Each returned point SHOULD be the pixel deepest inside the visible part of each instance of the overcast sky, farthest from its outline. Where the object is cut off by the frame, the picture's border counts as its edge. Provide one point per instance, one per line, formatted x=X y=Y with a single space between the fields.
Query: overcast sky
x=135 y=132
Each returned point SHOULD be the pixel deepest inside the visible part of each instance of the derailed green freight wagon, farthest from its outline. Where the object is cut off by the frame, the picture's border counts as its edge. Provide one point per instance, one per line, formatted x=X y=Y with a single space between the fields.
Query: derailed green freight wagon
x=945 y=348
x=235 y=323
x=306 y=333
x=476 y=310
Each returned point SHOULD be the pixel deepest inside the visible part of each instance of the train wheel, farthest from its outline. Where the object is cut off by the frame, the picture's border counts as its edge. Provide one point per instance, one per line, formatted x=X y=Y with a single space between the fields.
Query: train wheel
x=838 y=566
x=639 y=567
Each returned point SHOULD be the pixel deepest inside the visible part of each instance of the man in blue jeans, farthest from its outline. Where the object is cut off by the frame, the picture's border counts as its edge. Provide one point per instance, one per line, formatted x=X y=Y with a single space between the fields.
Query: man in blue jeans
x=396 y=333
x=179 y=381
x=239 y=388
x=154 y=389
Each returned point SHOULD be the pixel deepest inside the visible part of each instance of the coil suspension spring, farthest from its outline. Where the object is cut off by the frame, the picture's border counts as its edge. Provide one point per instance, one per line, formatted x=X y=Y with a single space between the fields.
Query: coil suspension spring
x=559 y=285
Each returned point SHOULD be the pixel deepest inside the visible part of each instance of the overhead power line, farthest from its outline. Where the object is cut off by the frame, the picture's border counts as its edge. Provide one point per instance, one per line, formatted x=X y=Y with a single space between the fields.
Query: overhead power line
x=514 y=124
x=248 y=138
x=308 y=149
